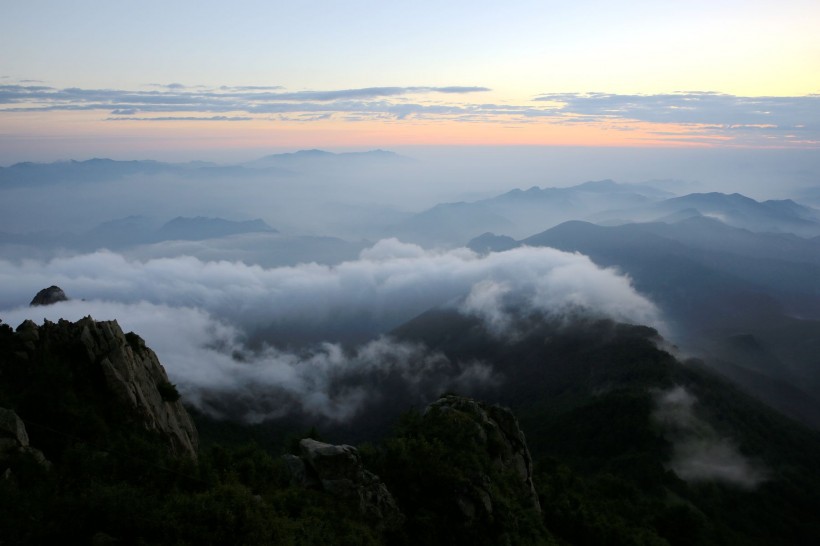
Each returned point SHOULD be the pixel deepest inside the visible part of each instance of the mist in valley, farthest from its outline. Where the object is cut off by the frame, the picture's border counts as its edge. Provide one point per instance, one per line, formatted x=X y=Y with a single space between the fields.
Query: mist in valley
x=267 y=284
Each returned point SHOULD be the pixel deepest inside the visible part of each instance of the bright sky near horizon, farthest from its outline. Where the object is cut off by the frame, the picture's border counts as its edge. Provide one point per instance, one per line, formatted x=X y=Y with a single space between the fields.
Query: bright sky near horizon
x=129 y=78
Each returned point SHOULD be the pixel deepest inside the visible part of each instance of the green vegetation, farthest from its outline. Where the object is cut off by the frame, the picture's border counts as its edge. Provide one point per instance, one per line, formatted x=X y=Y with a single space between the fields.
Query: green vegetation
x=139 y=495
x=168 y=391
x=442 y=475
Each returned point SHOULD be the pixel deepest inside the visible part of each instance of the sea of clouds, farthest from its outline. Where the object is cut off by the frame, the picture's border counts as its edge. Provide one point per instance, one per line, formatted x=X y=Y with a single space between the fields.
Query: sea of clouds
x=201 y=316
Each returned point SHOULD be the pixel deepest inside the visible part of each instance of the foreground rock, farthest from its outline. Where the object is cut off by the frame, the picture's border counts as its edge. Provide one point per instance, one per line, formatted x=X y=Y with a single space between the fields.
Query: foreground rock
x=462 y=474
x=12 y=430
x=14 y=439
x=338 y=470
x=492 y=432
x=48 y=296
x=113 y=372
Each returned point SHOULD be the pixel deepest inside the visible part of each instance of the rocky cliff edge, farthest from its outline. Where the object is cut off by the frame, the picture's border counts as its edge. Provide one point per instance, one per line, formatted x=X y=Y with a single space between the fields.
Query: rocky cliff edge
x=135 y=383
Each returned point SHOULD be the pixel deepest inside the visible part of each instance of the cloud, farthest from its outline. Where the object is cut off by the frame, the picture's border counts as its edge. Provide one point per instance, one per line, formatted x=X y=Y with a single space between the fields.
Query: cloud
x=568 y=288
x=699 y=453
x=697 y=117
x=487 y=301
x=216 y=373
x=179 y=98
x=714 y=113
x=250 y=87
x=202 y=318
x=175 y=118
x=373 y=92
x=390 y=283
x=264 y=103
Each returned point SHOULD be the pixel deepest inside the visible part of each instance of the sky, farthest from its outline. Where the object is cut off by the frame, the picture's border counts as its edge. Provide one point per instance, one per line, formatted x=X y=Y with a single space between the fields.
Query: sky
x=185 y=79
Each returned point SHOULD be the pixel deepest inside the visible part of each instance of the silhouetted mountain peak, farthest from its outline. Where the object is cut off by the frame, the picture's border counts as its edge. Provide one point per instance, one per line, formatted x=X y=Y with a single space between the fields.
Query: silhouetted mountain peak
x=574 y=226
x=49 y=296
x=490 y=242
x=714 y=197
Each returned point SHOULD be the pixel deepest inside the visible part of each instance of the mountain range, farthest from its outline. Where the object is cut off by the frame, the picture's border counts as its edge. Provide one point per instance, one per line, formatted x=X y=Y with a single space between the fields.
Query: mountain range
x=98 y=170
x=745 y=301
x=521 y=213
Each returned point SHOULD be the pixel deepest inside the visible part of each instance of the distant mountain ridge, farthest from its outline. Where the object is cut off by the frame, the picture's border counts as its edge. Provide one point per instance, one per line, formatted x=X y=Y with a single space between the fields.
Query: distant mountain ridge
x=519 y=213
x=94 y=171
x=28 y=174
x=91 y=170
x=321 y=159
x=604 y=202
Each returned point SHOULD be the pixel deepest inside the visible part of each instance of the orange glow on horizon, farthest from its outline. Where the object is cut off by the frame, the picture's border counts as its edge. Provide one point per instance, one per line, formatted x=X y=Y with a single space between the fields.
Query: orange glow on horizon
x=66 y=135
x=410 y=133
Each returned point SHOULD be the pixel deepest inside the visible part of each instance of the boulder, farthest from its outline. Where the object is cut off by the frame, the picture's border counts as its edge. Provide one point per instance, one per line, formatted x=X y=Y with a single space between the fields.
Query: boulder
x=14 y=440
x=49 y=296
x=12 y=430
x=338 y=470
x=298 y=471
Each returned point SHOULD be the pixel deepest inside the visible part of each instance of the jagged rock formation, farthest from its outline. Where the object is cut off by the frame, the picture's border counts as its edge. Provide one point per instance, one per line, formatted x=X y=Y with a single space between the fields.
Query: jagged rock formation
x=494 y=432
x=338 y=470
x=113 y=370
x=48 y=296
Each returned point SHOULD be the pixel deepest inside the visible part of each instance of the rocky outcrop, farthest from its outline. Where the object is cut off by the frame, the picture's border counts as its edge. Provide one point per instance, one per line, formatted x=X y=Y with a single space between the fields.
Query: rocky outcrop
x=48 y=296
x=136 y=377
x=13 y=433
x=14 y=439
x=338 y=470
x=125 y=375
x=493 y=433
x=462 y=464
